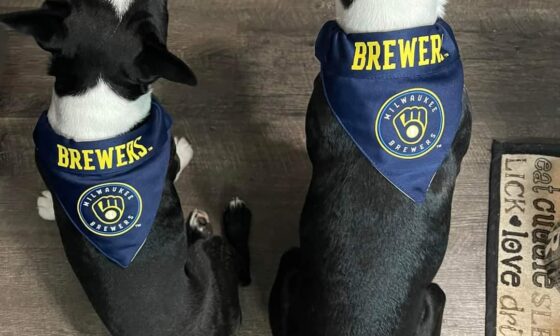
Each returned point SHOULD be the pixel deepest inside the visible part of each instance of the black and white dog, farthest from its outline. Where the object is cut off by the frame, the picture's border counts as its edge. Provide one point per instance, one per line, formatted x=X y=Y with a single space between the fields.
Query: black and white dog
x=368 y=254
x=105 y=56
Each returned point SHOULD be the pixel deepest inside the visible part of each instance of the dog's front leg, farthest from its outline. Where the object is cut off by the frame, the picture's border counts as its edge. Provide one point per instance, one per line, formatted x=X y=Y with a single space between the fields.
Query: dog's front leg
x=184 y=152
x=45 y=206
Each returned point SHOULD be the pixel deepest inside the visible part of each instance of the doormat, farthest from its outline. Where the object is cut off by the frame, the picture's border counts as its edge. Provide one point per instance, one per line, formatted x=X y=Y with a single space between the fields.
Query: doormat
x=523 y=253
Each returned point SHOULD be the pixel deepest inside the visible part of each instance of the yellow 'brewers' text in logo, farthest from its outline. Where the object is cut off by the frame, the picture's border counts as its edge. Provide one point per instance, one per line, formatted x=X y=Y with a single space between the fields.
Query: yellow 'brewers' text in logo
x=101 y=159
x=410 y=124
x=398 y=54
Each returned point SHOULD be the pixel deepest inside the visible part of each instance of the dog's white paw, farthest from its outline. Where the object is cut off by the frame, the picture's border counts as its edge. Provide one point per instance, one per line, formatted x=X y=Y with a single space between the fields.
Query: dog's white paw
x=45 y=206
x=184 y=152
x=236 y=203
x=199 y=221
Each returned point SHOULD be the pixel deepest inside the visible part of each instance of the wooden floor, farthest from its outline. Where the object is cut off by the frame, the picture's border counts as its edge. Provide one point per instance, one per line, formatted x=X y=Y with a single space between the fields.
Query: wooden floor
x=255 y=62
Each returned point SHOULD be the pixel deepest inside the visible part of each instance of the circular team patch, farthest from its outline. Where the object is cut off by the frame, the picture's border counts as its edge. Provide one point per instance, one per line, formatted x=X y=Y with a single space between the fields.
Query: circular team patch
x=110 y=209
x=410 y=124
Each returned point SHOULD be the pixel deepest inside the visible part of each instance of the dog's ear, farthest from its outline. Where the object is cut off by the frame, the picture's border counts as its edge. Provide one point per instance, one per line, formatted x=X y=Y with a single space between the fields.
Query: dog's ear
x=156 y=61
x=46 y=25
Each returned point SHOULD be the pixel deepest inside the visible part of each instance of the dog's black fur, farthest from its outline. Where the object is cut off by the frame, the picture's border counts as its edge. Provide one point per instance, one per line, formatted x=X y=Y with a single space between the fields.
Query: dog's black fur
x=368 y=254
x=88 y=41
x=181 y=283
x=347 y=3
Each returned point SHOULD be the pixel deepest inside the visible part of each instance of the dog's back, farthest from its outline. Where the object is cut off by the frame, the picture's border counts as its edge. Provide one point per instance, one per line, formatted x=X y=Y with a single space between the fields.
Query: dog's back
x=172 y=288
x=368 y=254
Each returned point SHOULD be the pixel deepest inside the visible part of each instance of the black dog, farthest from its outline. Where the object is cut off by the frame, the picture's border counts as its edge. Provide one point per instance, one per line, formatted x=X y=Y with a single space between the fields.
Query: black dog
x=105 y=56
x=368 y=254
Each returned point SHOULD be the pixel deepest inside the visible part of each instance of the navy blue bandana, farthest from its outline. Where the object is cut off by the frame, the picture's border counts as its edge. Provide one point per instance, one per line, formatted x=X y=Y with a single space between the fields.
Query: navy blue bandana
x=110 y=189
x=399 y=97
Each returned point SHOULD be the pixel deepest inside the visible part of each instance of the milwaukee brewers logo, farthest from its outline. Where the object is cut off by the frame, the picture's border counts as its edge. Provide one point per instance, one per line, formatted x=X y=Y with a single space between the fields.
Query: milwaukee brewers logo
x=410 y=124
x=110 y=209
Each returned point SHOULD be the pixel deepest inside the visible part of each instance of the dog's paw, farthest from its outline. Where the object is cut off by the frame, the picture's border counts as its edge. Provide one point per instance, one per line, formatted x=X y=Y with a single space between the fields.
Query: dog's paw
x=199 y=222
x=184 y=152
x=45 y=206
x=237 y=227
x=237 y=220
